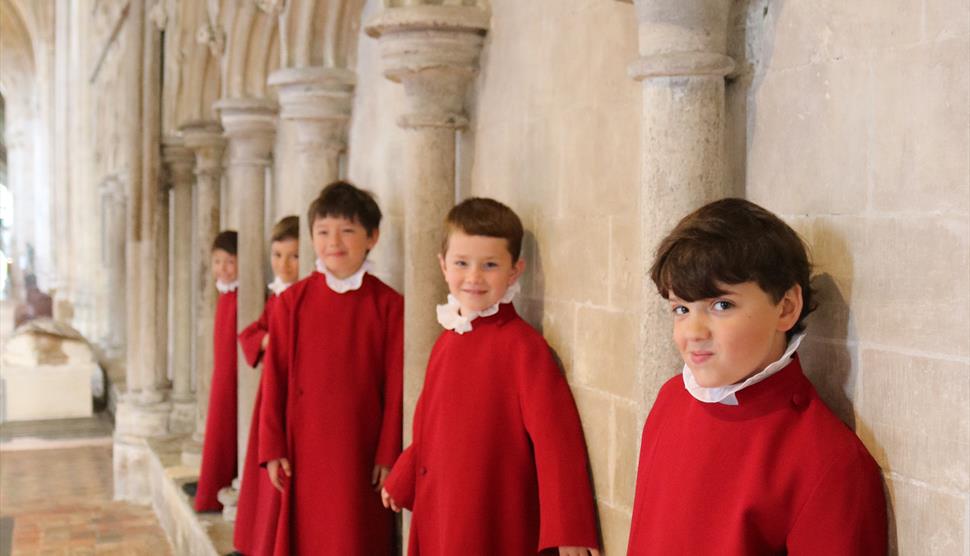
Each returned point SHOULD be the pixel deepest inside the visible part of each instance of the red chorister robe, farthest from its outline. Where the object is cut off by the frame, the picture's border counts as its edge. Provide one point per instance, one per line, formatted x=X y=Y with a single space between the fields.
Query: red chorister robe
x=498 y=463
x=332 y=404
x=219 y=445
x=776 y=474
x=258 y=508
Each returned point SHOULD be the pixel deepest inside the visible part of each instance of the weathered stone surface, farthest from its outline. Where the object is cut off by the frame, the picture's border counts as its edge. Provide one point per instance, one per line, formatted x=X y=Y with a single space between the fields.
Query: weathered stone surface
x=913 y=417
x=626 y=451
x=604 y=342
x=925 y=521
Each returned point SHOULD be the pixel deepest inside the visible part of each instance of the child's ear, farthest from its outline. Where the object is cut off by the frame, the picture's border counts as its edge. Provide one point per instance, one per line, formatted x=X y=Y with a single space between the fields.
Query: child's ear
x=791 y=308
x=372 y=238
x=441 y=263
x=517 y=269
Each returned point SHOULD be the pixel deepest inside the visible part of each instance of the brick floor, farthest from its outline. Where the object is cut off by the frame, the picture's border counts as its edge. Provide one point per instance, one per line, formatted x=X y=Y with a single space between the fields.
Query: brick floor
x=60 y=502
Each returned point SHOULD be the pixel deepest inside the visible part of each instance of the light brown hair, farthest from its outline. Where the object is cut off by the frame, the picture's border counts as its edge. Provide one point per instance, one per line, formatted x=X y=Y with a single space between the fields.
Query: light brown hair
x=287 y=228
x=479 y=216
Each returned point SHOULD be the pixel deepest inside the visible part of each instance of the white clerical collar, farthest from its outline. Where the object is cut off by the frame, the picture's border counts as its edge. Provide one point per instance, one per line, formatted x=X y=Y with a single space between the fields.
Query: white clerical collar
x=344 y=285
x=226 y=287
x=278 y=286
x=450 y=317
x=726 y=394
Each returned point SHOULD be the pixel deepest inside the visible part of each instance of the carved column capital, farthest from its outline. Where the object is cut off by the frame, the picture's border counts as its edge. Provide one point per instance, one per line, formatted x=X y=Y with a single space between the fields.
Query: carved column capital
x=319 y=101
x=682 y=38
x=179 y=161
x=433 y=51
x=250 y=127
x=206 y=141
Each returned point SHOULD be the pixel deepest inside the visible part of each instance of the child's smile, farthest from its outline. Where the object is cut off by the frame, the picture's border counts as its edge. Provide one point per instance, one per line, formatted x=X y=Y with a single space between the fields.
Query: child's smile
x=342 y=244
x=479 y=270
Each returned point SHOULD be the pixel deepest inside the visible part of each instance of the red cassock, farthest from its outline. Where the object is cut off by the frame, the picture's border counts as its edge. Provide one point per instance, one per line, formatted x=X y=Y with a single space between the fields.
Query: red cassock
x=776 y=474
x=331 y=404
x=219 y=446
x=498 y=464
x=258 y=508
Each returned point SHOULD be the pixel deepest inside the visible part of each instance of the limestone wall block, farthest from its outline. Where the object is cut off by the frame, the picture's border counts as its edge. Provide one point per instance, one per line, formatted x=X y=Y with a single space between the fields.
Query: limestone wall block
x=945 y=18
x=615 y=528
x=605 y=348
x=913 y=417
x=924 y=521
x=919 y=128
x=626 y=451
x=625 y=266
x=914 y=276
x=833 y=368
x=574 y=256
x=595 y=412
x=807 y=138
x=556 y=321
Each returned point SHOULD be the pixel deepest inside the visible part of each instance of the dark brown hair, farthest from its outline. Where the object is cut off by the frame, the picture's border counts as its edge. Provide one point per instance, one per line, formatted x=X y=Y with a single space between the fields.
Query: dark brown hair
x=287 y=228
x=479 y=216
x=344 y=200
x=226 y=241
x=733 y=241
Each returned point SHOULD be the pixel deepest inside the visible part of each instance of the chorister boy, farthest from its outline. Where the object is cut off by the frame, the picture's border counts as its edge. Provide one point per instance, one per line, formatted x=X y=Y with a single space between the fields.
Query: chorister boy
x=219 y=446
x=739 y=454
x=330 y=415
x=259 y=502
x=498 y=461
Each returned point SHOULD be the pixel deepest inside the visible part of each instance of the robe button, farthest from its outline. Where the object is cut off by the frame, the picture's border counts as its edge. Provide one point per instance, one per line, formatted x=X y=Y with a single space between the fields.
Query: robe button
x=799 y=401
x=423 y=471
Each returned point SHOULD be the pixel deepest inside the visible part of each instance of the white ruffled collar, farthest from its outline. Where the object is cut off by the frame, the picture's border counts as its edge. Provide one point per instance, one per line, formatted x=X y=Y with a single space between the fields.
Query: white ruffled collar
x=226 y=287
x=344 y=285
x=726 y=394
x=450 y=317
x=278 y=286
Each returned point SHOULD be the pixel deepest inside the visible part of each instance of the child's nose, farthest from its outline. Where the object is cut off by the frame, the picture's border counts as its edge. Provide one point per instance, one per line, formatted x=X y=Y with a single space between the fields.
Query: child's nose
x=696 y=328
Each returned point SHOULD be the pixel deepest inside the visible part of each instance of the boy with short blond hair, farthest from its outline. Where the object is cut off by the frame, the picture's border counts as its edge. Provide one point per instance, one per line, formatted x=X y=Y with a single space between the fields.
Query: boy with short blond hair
x=330 y=415
x=498 y=462
x=739 y=454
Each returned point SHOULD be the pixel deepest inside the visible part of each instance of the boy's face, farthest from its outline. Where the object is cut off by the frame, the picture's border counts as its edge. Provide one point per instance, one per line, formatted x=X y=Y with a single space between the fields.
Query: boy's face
x=224 y=266
x=342 y=244
x=285 y=259
x=479 y=270
x=726 y=339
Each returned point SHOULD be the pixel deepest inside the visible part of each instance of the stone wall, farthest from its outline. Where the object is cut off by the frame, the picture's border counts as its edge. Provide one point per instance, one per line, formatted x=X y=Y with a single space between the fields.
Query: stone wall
x=855 y=128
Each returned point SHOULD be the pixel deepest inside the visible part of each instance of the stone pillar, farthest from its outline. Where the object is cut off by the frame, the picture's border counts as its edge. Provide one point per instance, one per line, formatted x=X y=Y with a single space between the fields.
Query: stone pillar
x=250 y=126
x=113 y=216
x=206 y=142
x=162 y=267
x=179 y=161
x=682 y=67
x=315 y=106
x=433 y=51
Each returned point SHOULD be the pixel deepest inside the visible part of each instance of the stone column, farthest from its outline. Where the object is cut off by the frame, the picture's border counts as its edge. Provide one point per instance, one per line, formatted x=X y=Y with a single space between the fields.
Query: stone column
x=433 y=51
x=206 y=142
x=315 y=106
x=682 y=67
x=250 y=126
x=162 y=230
x=113 y=259
x=179 y=161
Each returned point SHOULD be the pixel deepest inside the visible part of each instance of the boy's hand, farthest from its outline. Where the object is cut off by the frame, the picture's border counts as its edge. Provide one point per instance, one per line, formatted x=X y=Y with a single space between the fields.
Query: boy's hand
x=575 y=550
x=389 y=502
x=264 y=343
x=379 y=476
x=273 y=468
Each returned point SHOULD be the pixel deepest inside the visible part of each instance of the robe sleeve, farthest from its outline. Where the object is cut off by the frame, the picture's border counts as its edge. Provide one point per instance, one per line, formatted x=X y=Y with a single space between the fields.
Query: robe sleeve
x=251 y=338
x=389 y=443
x=846 y=514
x=400 y=483
x=275 y=386
x=567 y=511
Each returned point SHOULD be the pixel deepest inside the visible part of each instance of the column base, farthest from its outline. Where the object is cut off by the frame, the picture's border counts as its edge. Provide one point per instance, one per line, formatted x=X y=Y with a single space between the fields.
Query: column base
x=182 y=418
x=229 y=498
x=135 y=423
x=192 y=453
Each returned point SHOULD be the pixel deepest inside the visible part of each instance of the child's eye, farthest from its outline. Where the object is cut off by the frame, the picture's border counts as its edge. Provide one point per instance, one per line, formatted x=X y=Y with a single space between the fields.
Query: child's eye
x=462 y=264
x=722 y=305
x=491 y=265
x=678 y=310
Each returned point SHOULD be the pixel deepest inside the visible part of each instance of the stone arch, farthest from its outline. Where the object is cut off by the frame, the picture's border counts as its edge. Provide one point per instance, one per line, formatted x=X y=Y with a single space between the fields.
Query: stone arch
x=323 y=33
x=16 y=55
x=197 y=45
x=251 y=51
